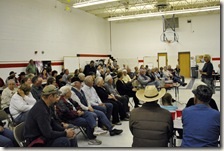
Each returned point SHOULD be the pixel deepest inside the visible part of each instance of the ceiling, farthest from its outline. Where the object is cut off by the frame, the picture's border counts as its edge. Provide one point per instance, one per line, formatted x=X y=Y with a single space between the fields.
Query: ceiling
x=135 y=7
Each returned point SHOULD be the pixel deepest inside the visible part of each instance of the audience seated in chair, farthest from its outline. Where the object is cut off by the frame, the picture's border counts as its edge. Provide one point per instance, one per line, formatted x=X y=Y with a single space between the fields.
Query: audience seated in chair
x=125 y=89
x=107 y=97
x=191 y=102
x=21 y=103
x=201 y=123
x=167 y=102
x=109 y=85
x=41 y=124
x=37 y=87
x=144 y=80
x=69 y=111
x=79 y=96
x=12 y=75
x=150 y=125
x=175 y=77
x=6 y=137
x=94 y=99
x=7 y=95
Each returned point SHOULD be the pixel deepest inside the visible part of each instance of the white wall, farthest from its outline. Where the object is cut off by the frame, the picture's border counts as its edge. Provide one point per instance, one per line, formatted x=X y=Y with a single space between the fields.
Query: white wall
x=142 y=38
x=30 y=25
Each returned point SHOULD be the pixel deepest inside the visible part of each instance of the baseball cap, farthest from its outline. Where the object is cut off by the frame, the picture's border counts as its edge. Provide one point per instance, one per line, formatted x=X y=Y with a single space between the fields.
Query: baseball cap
x=50 y=89
x=12 y=72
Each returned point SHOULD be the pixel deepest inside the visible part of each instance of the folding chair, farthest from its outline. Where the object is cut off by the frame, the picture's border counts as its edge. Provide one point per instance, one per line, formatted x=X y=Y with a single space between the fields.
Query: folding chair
x=18 y=134
x=12 y=121
x=80 y=130
x=4 y=117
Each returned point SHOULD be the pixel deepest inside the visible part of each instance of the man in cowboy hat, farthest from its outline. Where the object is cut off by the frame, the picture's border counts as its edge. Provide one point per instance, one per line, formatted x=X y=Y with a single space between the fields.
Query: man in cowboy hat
x=150 y=125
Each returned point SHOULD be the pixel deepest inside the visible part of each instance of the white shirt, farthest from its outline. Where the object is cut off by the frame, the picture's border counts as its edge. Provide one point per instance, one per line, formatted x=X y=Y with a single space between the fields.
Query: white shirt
x=126 y=78
x=6 y=97
x=71 y=104
x=167 y=74
x=91 y=95
x=19 y=104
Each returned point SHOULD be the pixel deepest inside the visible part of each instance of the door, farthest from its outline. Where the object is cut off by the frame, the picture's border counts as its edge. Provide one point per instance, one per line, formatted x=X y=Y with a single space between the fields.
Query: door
x=162 y=59
x=184 y=62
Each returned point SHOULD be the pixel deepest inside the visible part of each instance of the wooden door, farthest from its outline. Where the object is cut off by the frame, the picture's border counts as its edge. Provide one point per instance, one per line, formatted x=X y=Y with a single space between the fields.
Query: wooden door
x=162 y=59
x=184 y=63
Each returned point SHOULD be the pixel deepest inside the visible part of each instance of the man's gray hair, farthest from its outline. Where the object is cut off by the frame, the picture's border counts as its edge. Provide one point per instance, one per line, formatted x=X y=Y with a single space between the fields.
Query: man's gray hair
x=10 y=81
x=88 y=79
x=98 y=79
x=65 y=89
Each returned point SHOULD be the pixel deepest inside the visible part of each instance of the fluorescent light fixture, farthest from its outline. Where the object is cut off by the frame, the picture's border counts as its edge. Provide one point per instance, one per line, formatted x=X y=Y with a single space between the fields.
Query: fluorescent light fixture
x=183 y=11
x=92 y=2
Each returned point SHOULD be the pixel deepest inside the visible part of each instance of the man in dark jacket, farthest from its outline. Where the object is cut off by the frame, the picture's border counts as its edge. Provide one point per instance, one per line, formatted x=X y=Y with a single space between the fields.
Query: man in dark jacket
x=206 y=73
x=89 y=68
x=150 y=125
x=37 y=87
x=40 y=123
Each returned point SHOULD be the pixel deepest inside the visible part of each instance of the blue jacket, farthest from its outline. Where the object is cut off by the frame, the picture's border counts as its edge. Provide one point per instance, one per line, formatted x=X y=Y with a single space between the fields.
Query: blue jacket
x=201 y=126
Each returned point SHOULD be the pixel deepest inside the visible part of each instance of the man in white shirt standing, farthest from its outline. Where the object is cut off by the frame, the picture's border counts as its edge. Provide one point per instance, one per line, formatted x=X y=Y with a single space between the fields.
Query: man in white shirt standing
x=21 y=103
x=94 y=99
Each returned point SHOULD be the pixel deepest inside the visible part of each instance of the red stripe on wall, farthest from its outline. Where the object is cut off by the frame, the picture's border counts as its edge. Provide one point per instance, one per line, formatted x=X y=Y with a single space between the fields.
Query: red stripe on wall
x=57 y=63
x=140 y=60
x=215 y=59
x=13 y=65
x=92 y=55
x=17 y=65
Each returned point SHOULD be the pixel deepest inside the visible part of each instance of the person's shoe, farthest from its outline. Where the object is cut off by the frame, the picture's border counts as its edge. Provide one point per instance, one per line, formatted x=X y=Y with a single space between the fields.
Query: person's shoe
x=184 y=84
x=99 y=131
x=115 y=132
x=94 y=142
x=104 y=127
x=118 y=123
x=127 y=115
x=125 y=119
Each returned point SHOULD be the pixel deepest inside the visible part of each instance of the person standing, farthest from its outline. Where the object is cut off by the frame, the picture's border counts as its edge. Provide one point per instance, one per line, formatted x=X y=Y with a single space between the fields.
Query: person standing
x=89 y=68
x=201 y=123
x=206 y=73
x=31 y=68
x=150 y=125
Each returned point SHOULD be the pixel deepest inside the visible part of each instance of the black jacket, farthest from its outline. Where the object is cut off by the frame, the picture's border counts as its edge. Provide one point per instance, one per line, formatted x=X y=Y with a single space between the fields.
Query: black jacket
x=65 y=110
x=40 y=123
x=208 y=68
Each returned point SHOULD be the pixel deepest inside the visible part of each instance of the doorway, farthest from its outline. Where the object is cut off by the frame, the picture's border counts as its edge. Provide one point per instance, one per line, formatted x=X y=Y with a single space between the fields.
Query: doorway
x=162 y=59
x=184 y=63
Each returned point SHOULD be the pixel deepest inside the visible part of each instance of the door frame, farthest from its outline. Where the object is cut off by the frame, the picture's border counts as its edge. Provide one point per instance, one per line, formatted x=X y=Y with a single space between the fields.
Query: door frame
x=162 y=54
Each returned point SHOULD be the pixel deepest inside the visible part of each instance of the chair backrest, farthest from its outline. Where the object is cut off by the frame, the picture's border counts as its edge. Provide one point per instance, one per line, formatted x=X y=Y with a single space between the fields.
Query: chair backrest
x=18 y=133
x=3 y=115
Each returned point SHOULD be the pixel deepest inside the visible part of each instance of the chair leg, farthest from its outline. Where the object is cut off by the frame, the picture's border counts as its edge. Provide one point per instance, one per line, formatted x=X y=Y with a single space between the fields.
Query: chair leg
x=130 y=102
x=83 y=132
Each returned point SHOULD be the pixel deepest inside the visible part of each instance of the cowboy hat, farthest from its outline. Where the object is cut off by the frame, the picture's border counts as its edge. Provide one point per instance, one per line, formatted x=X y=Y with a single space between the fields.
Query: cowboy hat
x=150 y=93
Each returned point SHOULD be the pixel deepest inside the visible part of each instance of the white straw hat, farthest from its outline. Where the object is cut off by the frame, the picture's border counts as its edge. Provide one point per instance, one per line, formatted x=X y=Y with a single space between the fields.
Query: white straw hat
x=150 y=93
